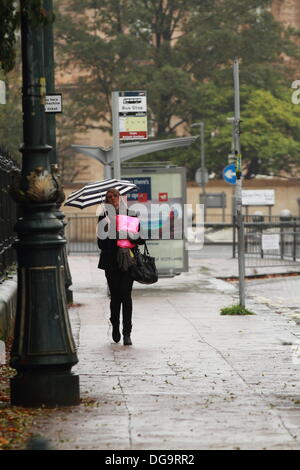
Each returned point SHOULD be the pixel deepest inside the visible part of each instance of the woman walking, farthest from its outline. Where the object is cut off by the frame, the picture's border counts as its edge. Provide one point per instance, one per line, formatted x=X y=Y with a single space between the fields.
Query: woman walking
x=115 y=259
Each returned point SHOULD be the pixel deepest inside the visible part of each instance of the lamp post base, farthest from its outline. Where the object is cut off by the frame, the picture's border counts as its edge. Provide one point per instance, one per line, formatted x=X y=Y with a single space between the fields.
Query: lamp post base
x=53 y=389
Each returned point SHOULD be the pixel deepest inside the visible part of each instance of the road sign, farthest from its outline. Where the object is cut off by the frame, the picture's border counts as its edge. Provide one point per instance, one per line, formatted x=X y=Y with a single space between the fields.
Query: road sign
x=132 y=102
x=258 y=197
x=229 y=174
x=133 y=115
x=270 y=241
x=201 y=177
x=213 y=200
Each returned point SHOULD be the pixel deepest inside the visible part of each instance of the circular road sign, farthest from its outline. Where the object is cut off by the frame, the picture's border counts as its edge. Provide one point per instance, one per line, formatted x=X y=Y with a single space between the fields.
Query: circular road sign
x=229 y=174
x=201 y=177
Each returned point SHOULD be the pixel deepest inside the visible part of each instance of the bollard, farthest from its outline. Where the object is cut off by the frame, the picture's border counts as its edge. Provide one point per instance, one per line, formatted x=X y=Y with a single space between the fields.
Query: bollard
x=258 y=217
x=284 y=216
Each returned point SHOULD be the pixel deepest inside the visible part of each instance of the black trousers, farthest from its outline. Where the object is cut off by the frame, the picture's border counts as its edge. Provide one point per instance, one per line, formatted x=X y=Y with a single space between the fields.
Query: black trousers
x=120 y=286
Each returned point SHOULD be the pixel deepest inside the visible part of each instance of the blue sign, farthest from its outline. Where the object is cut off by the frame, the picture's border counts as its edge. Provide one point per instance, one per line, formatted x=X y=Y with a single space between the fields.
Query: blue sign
x=143 y=191
x=229 y=173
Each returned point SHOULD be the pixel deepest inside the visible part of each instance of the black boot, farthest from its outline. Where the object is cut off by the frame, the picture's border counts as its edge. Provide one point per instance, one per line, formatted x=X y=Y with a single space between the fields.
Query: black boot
x=127 y=340
x=116 y=336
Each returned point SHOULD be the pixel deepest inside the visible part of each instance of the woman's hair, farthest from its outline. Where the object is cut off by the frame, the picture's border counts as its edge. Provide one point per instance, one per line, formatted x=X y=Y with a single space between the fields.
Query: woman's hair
x=114 y=191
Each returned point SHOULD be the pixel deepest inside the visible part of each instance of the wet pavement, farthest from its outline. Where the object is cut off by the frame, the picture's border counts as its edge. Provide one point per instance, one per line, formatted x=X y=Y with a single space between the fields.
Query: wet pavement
x=193 y=379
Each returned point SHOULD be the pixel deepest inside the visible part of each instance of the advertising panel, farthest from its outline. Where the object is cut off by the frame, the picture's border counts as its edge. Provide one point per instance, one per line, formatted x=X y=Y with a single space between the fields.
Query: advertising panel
x=160 y=200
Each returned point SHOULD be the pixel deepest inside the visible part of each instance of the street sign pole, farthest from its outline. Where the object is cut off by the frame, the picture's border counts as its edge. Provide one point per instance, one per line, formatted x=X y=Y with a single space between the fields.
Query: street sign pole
x=116 y=134
x=238 y=186
x=203 y=168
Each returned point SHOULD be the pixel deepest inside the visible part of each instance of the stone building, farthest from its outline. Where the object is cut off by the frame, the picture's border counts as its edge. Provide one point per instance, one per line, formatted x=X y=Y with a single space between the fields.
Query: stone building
x=287 y=11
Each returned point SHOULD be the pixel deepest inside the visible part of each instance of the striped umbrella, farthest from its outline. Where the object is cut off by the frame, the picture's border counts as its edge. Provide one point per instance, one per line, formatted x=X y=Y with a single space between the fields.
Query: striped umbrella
x=94 y=193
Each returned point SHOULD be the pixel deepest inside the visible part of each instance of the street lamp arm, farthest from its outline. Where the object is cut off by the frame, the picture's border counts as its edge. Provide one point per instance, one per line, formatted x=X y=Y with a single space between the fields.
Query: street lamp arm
x=197 y=124
x=99 y=153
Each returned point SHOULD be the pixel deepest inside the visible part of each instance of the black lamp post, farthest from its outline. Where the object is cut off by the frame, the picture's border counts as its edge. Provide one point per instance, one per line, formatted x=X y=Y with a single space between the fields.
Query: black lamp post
x=51 y=127
x=43 y=351
x=50 y=77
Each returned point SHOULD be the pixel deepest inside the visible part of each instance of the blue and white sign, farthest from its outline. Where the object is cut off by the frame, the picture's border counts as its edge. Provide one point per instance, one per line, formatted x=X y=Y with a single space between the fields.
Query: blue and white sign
x=143 y=191
x=229 y=173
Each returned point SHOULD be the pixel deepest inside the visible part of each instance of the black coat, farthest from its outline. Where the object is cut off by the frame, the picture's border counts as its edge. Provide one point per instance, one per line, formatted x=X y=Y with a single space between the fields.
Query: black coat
x=109 y=248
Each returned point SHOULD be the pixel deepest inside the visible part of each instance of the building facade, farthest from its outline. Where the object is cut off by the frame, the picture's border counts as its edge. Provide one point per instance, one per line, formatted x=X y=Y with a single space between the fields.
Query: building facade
x=287 y=12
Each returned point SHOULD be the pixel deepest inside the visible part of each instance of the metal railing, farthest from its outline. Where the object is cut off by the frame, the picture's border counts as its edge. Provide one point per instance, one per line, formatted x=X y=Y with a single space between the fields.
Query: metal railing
x=282 y=234
x=8 y=213
x=80 y=233
x=271 y=240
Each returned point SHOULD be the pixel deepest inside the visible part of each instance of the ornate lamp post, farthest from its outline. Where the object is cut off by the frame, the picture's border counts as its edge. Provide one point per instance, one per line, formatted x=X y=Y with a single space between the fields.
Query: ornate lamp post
x=51 y=128
x=43 y=351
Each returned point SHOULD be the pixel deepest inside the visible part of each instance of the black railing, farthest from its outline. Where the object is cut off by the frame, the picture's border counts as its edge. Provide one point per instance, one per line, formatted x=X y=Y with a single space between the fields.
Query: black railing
x=270 y=240
x=81 y=235
x=8 y=214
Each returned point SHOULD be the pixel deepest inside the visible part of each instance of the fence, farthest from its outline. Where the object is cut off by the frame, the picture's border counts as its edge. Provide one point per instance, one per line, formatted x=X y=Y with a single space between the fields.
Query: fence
x=80 y=233
x=271 y=240
x=8 y=214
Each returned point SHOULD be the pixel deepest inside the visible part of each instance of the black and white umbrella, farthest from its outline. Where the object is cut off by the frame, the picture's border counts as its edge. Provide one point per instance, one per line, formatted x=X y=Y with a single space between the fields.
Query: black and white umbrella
x=94 y=193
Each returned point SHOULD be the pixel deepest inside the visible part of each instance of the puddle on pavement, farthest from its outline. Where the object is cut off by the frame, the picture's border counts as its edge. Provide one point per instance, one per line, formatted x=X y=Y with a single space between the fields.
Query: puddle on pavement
x=201 y=269
x=90 y=290
x=191 y=287
x=204 y=284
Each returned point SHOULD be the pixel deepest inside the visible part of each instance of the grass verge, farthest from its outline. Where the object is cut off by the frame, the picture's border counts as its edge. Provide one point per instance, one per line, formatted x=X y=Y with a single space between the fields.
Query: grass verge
x=235 y=310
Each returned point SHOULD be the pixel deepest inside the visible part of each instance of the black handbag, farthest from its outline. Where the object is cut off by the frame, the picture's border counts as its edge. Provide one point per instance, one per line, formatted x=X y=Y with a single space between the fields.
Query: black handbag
x=143 y=270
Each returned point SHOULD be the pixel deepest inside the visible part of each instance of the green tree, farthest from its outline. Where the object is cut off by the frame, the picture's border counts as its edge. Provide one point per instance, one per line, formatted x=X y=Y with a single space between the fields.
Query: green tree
x=167 y=47
x=8 y=25
x=270 y=134
x=181 y=52
x=114 y=47
x=11 y=112
x=10 y=68
x=219 y=31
